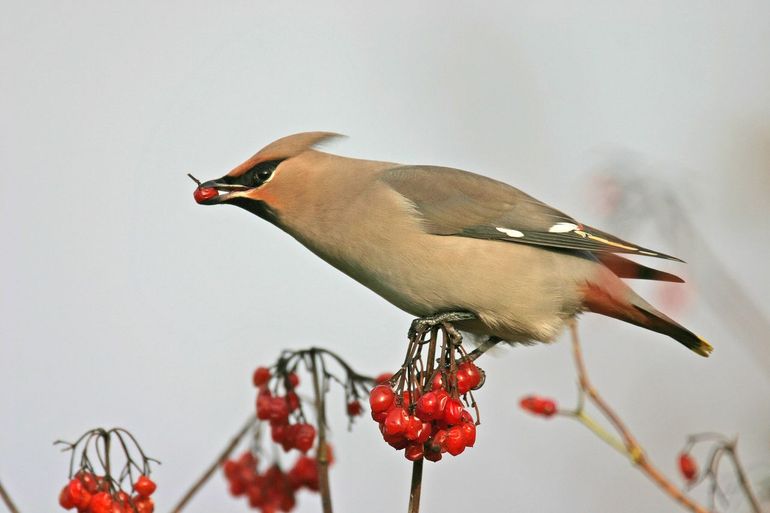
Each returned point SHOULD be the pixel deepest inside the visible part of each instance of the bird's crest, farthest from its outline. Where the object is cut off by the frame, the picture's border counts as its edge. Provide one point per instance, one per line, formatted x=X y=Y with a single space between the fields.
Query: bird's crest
x=284 y=148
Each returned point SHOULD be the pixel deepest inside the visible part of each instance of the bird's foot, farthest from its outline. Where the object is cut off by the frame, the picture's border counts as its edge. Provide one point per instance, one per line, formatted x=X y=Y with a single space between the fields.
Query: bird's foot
x=424 y=324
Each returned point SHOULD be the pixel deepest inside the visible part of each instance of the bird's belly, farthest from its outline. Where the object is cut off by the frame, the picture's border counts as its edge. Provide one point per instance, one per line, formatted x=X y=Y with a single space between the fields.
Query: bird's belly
x=517 y=291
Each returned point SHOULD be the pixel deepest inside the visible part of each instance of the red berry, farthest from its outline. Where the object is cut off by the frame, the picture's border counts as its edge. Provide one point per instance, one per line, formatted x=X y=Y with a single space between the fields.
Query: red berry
x=436 y=442
x=65 y=500
x=230 y=469
x=292 y=400
x=454 y=442
x=144 y=486
x=469 y=433
x=78 y=493
x=247 y=460
x=463 y=382
x=304 y=437
x=413 y=428
x=425 y=432
x=453 y=411
x=427 y=406
x=355 y=408
x=255 y=495
x=264 y=399
x=293 y=379
x=437 y=382
x=278 y=432
x=414 y=452
x=237 y=488
x=474 y=374
x=432 y=454
x=688 y=467
x=202 y=194
x=279 y=410
x=261 y=376
x=101 y=503
x=395 y=422
x=539 y=406
x=383 y=378
x=380 y=398
x=143 y=505
x=90 y=482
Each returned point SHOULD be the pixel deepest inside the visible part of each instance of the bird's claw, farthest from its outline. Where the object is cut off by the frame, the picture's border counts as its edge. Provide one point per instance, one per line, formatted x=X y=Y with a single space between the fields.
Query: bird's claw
x=422 y=325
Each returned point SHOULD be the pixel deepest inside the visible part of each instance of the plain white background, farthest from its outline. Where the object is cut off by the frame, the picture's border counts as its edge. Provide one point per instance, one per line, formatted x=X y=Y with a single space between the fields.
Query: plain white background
x=125 y=303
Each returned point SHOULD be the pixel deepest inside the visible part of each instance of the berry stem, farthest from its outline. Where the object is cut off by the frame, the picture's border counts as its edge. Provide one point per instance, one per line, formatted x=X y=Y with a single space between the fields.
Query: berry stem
x=632 y=448
x=416 y=488
x=225 y=454
x=7 y=500
x=323 y=457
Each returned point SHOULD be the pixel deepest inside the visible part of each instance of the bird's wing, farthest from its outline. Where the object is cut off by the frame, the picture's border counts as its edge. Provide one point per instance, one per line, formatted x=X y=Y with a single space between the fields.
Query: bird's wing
x=454 y=202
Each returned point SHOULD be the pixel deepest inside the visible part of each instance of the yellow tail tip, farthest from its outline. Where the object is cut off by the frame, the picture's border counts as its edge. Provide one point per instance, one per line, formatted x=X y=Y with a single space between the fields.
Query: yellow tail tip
x=704 y=348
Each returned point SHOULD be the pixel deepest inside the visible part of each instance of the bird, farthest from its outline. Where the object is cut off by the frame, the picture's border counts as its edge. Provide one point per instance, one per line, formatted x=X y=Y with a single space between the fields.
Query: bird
x=432 y=240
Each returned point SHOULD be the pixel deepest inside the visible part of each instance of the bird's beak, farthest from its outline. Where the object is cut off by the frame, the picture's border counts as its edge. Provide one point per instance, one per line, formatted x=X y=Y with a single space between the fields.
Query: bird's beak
x=229 y=190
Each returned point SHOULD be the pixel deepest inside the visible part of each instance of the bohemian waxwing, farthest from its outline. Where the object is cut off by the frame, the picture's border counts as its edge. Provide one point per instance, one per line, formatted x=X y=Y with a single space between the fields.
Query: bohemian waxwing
x=433 y=239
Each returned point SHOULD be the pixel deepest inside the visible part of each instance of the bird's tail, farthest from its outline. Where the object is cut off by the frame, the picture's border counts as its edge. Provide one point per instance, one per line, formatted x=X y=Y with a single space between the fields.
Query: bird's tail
x=635 y=310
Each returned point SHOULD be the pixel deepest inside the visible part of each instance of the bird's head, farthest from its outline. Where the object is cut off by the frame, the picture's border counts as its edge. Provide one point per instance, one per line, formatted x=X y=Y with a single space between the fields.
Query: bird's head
x=249 y=185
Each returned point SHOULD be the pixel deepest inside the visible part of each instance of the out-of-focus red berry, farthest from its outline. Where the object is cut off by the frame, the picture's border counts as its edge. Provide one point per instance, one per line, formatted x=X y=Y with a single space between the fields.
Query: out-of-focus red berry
x=264 y=402
x=142 y=505
x=65 y=500
x=293 y=379
x=247 y=460
x=144 y=486
x=78 y=493
x=279 y=409
x=688 y=467
x=292 y=400
x=539 y=405
x=230 y=469
x=261 y=376
x=304 y=437
x=89 y=481
x=101 y=503
x=380 y=398
x=383 y=378
x=355 y=408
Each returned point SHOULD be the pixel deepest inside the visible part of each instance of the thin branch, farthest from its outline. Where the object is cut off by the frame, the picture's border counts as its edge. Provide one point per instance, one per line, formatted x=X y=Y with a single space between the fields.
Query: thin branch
x=633 y=449
x=225 y=454
x=742 y=480
x=323 y=456
x=7 y=500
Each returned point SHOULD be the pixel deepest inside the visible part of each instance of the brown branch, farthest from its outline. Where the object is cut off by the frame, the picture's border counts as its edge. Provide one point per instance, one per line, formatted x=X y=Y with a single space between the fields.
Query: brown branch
x=416 y=487
x=323 y=456
x=7 y=500
x=634 y=450
x=225 y=454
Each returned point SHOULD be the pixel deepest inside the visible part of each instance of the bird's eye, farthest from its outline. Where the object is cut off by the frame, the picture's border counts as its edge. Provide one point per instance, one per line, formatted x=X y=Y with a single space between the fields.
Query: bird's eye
x=260 y=173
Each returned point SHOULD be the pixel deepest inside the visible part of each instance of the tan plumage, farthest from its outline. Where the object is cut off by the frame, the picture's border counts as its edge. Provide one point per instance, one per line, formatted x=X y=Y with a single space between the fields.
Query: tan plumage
x=433 y=240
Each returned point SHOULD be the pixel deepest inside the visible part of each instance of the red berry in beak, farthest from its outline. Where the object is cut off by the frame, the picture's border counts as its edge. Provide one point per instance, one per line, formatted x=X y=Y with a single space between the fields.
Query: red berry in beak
x=202 y=194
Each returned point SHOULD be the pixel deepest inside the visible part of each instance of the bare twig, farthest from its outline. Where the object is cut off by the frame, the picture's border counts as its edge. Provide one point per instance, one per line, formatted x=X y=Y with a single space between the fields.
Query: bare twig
x=323 y=456
x=632 y=448
x=7 y=500
x=225 y=454
x=742 y=480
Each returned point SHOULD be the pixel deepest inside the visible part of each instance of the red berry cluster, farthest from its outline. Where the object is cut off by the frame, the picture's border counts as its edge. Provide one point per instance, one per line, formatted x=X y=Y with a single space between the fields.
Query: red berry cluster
x=429 y=424
x=90 y=493
x=273 y=490
x=541 y=406
x=688 y=467
x=278 y=408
